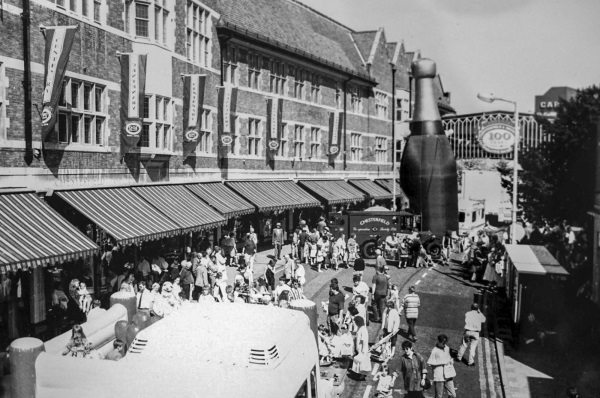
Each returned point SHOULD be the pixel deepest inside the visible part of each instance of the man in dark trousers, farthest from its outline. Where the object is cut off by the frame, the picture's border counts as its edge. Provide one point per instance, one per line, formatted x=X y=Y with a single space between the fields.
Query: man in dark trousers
x=277 y=241
x=335 y=308
x=359 y=265
x=301 y=244
x=380 y=291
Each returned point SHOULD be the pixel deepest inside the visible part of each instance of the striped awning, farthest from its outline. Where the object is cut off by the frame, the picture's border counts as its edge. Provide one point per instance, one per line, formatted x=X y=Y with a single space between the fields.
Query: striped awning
x=181 y=206
x=387 y=184
x=333 y=191
x=33 y=234
x=223 y=199
x=372 y=189
x=122 y=214
x=274 y=195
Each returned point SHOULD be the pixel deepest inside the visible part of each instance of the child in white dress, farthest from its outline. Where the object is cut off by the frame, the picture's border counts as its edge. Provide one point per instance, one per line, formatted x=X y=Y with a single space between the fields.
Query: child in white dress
x=85 y=300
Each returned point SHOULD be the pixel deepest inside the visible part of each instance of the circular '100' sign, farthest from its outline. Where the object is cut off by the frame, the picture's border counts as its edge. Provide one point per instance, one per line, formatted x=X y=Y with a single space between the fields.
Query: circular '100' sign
x=497 y=138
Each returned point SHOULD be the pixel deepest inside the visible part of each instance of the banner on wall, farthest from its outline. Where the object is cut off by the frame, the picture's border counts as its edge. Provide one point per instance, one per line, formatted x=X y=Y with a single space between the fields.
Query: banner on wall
x=133 y=91
x=227 y=97
x=274 y=131
x=59 y=40
x=336 y=123
x=193 y=100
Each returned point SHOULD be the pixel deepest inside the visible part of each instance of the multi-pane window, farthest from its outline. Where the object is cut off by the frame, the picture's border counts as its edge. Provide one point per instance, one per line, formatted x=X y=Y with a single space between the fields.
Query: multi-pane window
x=283 y=143
x=355 y=99
x=381 y=105
x=315 y=88
x=315 y=142
x=97 y=10
x=157 y=123
x=299 y=141
x=254 y=71
x=381 y=149
x=356 y=148
x=230 y=65
x=198 y=34
x=277 y=77
x=205 y=139
x=160 y=22
x=150 y=19
x=299 y=84
x=2 y=103
x=142 y=19
x=254 y=136
x=82 y=113
x=73 y=5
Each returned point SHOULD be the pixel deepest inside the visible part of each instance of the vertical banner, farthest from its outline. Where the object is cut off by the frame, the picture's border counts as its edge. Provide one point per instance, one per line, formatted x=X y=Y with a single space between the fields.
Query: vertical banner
x=133 y=91
x=59 y=40
x=336 y=123
x=193 y=100
x=274 y=116
x=227 y=102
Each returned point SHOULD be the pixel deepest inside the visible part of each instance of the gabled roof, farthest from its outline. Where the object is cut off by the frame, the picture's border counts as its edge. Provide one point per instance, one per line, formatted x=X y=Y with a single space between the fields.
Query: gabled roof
x=364 y=42
x=293 y=26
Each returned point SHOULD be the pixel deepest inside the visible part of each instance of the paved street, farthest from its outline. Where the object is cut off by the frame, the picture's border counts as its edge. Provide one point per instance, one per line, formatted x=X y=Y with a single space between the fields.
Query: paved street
x=445 y=297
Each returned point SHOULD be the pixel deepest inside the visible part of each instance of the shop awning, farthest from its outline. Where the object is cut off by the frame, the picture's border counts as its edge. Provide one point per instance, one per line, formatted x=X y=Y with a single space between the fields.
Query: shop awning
x=181 y=206
x=32 y=234
x=333 y=191
x=274 y=195
x=223 y=199
x=532 y=259
x=387 y=184
x=123 y=214
x=372 y=189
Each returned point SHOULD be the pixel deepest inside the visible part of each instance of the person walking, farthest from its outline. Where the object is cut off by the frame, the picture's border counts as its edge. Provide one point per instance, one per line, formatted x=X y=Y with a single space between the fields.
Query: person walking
x=410 y=305
x=335 y=308
x=201 y=275
x=277 y=241
x=442 y=368
x=270 y=274
x=249 y=251
x=414 y=371
x=473 y=321
x=391 y=324
x=288 y=267
x=302 y=238
x=352 y=249
x=380 y=292
x=359 y=265
x=361 y=364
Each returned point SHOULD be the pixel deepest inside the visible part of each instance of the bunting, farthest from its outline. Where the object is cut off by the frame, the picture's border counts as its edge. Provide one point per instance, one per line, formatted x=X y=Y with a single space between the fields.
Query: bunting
x=274 y=115
x=227 y=97
x=193 y=100
x=336 y=122
x=59 y=40
x=133 y=91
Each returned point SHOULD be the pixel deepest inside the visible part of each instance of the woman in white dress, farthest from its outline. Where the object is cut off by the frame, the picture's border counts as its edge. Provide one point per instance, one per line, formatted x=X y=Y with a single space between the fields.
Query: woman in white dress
x=361 y=365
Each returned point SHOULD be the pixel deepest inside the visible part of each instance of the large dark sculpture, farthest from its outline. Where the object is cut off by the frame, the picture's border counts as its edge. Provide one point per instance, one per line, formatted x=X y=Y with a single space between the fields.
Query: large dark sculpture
x=428 y=168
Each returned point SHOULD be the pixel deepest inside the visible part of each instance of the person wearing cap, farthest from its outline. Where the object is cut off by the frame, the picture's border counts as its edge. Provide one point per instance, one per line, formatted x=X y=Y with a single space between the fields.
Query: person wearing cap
x=473 y=321
x=283 y=286
x=277 y=241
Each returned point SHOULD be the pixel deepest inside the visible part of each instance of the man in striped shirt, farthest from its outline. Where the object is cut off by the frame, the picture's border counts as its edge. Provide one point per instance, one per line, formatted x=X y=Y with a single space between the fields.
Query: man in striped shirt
x=410 y=304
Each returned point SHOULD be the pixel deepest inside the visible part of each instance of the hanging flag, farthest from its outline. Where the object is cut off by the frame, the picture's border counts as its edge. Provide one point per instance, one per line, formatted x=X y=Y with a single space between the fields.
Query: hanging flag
x=133 y=91
x=59 y=40
x=227 y=102
x=193 y=100
x=336 y=122
x=274 y=115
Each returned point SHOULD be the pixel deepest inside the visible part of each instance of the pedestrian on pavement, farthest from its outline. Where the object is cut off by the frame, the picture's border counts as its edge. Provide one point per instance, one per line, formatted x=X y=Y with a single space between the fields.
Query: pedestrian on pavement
x=277 y=241
x=296 y=291
x=342 y=255
x=302 y=238
x=288 y=267
x=380 y=291
x=228 y=249
x=321 y=225
x=352 y=249
x=473 y=321
x=270 y=274
x=299 y=273
x=253 y=236
x=249 y=251
x=442 y=368
x=335 y=307
x=360 y=288
x=379 y=261
x=283 y=286
x=391 y=324
x=410 y=305
x=359 y=265
x=335 y=254
x=361 y=364
x=295 y=242
x=414 y=371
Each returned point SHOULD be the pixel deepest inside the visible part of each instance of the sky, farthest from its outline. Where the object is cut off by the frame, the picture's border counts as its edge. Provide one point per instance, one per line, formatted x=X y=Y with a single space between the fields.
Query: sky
x=514 y=49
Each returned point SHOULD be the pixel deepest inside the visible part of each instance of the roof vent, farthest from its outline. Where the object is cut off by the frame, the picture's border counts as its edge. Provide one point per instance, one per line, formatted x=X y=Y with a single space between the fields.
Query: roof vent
x=264 y=357
x=137 y=346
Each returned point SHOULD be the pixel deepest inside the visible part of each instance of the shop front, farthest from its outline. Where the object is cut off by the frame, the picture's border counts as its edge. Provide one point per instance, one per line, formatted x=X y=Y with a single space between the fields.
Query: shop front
x=335 y=195
x=402 y=202
x=38 y=248
x=377 y=194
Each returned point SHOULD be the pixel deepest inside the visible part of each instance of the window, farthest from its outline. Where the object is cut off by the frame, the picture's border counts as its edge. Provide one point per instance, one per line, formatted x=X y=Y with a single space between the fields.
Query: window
x=205 y=139
x=381 y=105
x=254 y=71
x=381 y=149
x=2 y=103
x=82 y=113
x=474 y=216
x=315 y=88
x=230 y=65
x=277 y=78
x=141 y=19
x=338 y=96
x=254 y=137
x=198 y=34
x=356 y=149
x=157 y=128
x=91 y=9
x=355 y=99
x=461 y=216
x=399 y=110
x=97 y=9
x=73 y=5
x=315 y=142
x=150 y=18
x=283 y=143
x=299 y=84
x=299 y=140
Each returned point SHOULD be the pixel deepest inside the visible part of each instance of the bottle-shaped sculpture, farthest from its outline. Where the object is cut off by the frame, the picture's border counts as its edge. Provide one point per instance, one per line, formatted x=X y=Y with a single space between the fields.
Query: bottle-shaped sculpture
x=428 y=168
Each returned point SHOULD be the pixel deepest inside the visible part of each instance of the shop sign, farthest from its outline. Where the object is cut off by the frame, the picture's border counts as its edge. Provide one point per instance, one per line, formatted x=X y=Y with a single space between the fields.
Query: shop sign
x=497 y=138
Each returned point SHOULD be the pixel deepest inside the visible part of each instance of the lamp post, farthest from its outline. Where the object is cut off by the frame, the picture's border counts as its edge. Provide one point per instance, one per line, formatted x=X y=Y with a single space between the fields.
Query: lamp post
x=489 y=99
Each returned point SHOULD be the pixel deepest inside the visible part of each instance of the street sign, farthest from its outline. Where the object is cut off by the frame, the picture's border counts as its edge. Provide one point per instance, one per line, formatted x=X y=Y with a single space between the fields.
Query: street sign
x=497 y=138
